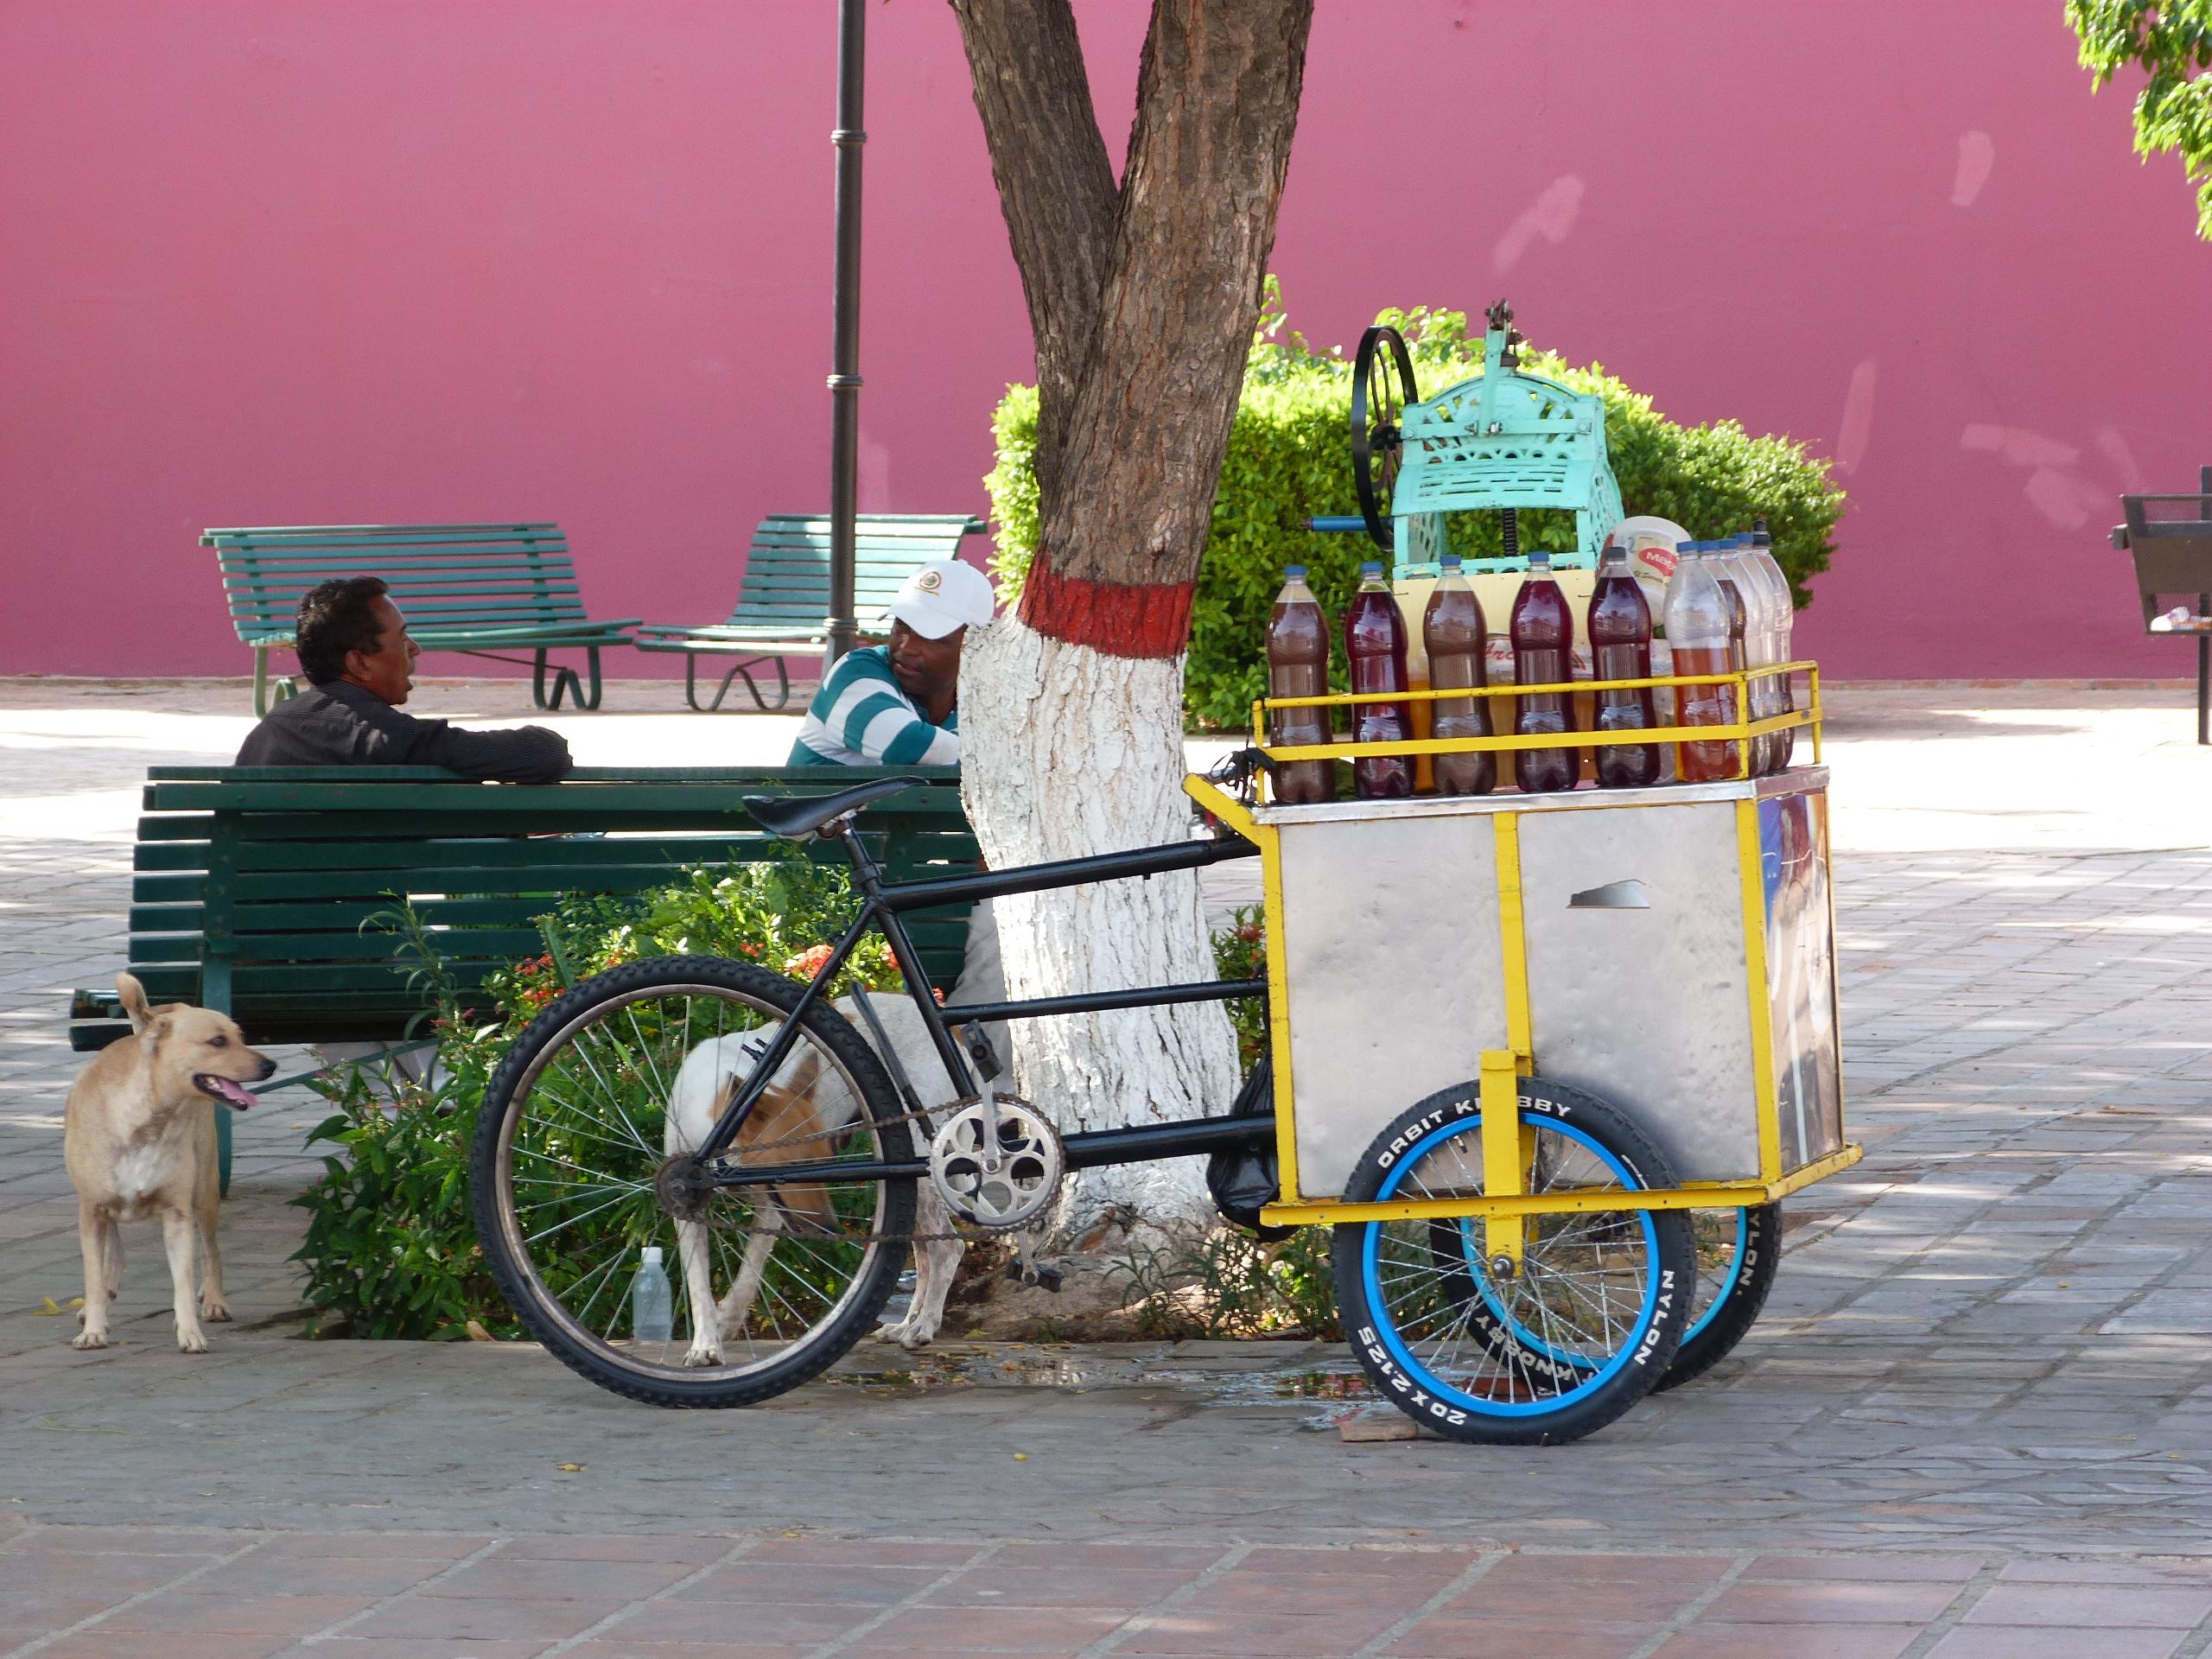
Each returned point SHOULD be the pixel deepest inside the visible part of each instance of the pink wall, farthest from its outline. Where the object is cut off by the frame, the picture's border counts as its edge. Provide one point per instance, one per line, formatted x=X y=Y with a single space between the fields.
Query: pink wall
x=300 y=261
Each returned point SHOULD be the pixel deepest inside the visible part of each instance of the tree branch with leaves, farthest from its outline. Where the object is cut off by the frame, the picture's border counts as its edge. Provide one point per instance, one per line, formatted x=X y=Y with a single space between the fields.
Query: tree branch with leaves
x=2171 y=41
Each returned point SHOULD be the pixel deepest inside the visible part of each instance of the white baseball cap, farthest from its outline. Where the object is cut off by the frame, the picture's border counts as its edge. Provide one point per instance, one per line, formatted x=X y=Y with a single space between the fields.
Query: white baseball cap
x=942 y=596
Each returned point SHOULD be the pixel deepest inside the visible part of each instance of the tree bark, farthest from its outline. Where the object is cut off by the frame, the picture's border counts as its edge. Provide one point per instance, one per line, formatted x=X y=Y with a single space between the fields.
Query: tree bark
x=1080 y=753
x=1047 y=153
x=1143 y=304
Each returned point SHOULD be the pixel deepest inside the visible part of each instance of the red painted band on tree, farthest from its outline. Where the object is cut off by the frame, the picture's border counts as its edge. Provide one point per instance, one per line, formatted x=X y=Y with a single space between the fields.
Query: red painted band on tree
x=1122 y=618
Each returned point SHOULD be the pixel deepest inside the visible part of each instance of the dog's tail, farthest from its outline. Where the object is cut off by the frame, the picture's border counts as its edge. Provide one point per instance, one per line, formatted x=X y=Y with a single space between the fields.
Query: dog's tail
x=134 y=1000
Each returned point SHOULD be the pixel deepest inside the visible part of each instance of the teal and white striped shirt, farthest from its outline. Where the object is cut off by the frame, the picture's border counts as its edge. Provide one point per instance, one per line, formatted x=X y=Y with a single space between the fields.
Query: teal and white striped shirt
x=862 y=717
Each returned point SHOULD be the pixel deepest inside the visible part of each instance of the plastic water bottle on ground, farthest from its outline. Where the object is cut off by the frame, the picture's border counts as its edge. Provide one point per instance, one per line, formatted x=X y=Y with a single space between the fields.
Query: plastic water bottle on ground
x=652 y=1304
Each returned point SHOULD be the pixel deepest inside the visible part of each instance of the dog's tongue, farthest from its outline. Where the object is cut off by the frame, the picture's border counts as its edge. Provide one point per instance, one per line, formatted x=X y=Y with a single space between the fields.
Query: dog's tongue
x=224 y=1089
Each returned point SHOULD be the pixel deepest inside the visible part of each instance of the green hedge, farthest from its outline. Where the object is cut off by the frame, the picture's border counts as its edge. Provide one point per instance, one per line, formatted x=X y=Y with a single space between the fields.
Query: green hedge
x=1290 y=457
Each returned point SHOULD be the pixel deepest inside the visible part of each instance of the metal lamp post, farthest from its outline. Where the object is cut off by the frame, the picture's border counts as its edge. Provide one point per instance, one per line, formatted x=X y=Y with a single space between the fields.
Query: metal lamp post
x=845 y=379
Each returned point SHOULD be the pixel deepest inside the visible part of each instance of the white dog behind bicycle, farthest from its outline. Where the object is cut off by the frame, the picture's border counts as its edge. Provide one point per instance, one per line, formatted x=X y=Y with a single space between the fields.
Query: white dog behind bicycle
x=806 y=1095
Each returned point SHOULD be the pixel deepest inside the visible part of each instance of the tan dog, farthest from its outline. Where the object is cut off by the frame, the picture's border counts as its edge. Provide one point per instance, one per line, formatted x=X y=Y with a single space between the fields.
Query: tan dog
x=139 y=1139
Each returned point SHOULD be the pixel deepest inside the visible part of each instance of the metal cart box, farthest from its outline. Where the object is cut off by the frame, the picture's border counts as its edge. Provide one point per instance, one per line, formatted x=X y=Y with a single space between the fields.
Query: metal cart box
x=1670 y=950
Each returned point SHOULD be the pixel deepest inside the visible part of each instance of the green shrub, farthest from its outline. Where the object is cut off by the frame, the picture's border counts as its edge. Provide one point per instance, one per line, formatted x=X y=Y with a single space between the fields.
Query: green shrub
x=1226 y=1284
x=1289 y=458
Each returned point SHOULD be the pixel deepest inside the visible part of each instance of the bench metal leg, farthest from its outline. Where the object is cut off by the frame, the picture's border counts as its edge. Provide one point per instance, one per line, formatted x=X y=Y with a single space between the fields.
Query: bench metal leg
x=223 y=1151
x=268 y=694
x=565 y=683
x=691 y=684
x=2204 y=674
x=215 y=993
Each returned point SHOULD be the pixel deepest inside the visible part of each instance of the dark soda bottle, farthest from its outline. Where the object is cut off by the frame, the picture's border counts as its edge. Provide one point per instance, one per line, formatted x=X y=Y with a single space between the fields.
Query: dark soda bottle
x=1543 y=636
x=1375 y=647
x=1452 y=633
x=1620 y=647
x=1298 y=666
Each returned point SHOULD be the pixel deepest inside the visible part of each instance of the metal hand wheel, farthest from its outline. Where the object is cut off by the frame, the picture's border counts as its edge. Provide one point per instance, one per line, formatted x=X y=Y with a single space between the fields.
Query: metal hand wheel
x=1382 y=386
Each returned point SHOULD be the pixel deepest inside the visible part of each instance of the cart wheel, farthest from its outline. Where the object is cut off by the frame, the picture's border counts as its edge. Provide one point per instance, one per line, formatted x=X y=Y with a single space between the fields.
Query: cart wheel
x=1382 y=387
x=1576 y=1337
x=1738 y=1251
x=572 y=1175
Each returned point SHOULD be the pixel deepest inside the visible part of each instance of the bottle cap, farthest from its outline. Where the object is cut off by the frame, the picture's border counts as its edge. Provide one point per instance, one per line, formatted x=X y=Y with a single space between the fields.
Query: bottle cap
x=650 y=1255
x=1540 y=558
x=1293 y=573
x=1450 y=561
x=1760 y=539
x=1372 y=568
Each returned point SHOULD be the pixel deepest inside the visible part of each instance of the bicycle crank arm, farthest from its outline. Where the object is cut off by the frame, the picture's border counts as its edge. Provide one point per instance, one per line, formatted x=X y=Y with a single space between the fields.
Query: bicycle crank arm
x=1093 y=1149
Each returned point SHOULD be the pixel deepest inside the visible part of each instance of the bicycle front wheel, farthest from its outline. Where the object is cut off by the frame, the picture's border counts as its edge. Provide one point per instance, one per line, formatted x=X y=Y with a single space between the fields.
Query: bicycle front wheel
x=1579 y=1332
x=583 y=1123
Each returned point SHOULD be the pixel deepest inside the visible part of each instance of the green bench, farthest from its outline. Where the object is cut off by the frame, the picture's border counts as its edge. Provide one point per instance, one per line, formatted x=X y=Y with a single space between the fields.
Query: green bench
x=255 y=888
x=784 y=604
x=476 y=589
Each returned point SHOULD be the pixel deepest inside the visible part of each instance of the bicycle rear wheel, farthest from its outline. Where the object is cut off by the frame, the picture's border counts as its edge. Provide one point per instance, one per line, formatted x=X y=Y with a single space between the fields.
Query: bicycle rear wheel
x=1738 y=1251
x=573 y=1174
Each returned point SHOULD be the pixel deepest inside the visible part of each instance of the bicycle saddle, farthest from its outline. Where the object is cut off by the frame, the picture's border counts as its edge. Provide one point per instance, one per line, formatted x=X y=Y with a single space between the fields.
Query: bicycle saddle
x=796 y=817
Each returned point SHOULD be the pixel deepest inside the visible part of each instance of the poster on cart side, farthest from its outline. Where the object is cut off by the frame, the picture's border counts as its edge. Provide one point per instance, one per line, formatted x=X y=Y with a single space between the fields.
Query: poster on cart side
x=1801 y=976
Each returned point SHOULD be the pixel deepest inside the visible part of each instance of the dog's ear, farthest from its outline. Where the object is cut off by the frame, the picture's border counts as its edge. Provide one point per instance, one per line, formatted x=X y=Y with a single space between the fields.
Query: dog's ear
x=134 y=1000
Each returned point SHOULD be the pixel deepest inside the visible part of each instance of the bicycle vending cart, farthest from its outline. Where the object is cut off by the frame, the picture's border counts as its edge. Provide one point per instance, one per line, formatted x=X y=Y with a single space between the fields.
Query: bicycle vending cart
x=1545 y=1062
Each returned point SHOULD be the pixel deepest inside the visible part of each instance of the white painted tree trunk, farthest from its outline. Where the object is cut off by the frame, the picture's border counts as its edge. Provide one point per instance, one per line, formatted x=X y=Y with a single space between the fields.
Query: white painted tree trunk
x=1064 y=751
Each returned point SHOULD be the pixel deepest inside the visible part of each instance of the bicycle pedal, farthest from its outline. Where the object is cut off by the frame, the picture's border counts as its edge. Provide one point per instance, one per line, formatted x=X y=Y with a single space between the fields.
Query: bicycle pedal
x=1050 y=1278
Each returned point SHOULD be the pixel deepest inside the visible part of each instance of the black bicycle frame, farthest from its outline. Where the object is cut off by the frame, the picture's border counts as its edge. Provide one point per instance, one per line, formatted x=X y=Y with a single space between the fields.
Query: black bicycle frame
x=883 y=904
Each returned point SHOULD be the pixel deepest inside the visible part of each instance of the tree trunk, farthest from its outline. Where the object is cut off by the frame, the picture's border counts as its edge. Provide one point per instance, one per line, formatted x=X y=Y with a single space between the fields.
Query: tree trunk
x=1081 y=752
x=1070 y=713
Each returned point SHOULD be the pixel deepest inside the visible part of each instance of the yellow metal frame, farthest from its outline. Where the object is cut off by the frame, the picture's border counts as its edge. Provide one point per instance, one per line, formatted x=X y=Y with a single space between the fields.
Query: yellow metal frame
x=1505 y=1141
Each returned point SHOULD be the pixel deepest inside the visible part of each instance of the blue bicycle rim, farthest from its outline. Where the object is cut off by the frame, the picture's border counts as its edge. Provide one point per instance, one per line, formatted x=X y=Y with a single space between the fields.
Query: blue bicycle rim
x=1388 y=1328
x=1728 y=1285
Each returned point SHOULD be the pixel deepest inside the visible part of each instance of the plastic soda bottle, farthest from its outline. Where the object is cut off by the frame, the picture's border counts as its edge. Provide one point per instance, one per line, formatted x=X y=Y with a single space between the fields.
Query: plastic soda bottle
x=1452 y=634
x=1744 y=577
x=1298 y=666
x=1620 y=647
x=1375 y=645
x=1783 y=622
x=652 y=1306
x=1543 y=634
x=1700 y=623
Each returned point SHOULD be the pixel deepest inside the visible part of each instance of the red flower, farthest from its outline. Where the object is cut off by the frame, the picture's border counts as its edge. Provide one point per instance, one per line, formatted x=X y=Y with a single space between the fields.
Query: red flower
x=808 y=964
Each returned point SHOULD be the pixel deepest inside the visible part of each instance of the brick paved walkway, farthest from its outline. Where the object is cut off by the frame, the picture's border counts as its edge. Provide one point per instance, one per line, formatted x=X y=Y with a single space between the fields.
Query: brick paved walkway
x=1973 y=1422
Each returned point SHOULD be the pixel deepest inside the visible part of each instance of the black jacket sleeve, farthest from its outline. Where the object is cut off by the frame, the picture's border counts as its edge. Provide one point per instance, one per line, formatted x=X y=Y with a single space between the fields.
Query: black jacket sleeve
x=523 y=755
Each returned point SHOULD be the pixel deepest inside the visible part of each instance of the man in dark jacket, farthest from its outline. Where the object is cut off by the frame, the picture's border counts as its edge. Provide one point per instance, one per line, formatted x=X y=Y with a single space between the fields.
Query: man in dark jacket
x=355 y=649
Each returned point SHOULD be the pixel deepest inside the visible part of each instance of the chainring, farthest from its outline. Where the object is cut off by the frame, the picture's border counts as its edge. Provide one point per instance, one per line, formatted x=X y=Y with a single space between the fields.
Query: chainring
x=1030 y=1163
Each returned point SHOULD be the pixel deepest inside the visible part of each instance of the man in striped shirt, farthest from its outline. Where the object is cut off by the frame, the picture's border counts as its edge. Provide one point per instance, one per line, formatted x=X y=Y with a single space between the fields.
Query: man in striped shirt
x=892 y=705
